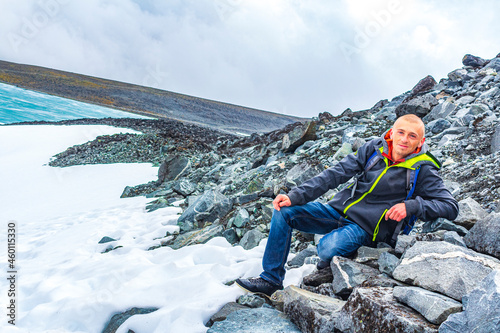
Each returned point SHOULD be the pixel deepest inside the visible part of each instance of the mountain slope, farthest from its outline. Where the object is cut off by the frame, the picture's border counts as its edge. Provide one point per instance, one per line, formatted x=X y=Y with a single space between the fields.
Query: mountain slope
x=143 y=100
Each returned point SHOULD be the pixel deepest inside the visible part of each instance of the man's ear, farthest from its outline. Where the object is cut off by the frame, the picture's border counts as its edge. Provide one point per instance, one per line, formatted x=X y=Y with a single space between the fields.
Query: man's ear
x=421 y=142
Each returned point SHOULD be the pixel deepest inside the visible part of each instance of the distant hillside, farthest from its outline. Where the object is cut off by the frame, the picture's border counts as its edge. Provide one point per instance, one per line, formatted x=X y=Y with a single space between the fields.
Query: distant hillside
x=143 y=100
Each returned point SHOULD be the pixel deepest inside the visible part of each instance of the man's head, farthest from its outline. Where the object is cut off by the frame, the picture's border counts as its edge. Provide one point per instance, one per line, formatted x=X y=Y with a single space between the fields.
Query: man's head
x=408 y=134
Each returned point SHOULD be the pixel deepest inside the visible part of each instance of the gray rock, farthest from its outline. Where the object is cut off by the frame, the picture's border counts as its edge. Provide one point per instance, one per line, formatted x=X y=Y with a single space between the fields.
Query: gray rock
x=473 y=61
x=375 y=310
x=207 y=208
x=230 y=235
x=106 y=239
x=457 y=74
x=440 y=111
x=470 y=212
x=494 y=64
x=198 y=236
x=348 y=274
x=298 y=136
x=438 y=126
x=495 y=140
x=342 y=152
x=184 y=187
x=420 y=105
x=261 y=320
x=311 y=312
x=115 y=322
x=349 y=135
x=318 y=277
x=465 y=100
x=251 y=239
x=484 y=236
x=403 y=242
x=443 y=267
x=224 y=312
x=173 y=167
x=434 y=307
x=242 y=218
x=454 y=238
x=387 y=263
x=369 y=255
x=443 y=224
x=251 y=300
x=302 y=172
x=481 y=309
x=299 y=258
x=426 y=84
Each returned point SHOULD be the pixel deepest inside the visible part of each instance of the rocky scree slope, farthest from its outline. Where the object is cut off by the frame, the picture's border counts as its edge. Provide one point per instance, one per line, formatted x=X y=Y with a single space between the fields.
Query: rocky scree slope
x=443 y=277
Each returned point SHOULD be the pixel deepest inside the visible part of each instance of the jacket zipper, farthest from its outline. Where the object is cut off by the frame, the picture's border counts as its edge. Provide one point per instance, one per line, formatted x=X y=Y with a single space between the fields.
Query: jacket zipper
x=375 y=232
x=371 y=188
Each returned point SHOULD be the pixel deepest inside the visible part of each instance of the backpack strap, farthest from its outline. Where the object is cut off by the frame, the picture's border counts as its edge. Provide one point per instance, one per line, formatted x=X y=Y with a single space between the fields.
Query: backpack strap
x=372 y=160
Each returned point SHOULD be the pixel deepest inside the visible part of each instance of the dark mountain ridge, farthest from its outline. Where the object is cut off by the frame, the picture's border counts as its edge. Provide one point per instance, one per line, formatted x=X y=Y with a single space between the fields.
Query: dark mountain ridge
x=142 y=100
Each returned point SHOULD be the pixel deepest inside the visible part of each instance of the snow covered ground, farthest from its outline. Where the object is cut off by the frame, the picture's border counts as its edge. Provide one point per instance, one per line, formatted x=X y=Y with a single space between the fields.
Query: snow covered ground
x=64 y=283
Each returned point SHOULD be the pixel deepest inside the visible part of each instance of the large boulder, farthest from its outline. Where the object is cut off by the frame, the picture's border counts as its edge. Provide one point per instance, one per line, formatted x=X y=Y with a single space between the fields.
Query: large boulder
x=262 y=320
x=311 y=312
x=172 y=168
x=251 y=239
x=484 y=236
x=298 y=136
x=433 y=306
x=207 y=208
x=443 y=267
x=375 y=310
x=473 y=61
x=481 y=309
x=470 y=211
x=419 y=105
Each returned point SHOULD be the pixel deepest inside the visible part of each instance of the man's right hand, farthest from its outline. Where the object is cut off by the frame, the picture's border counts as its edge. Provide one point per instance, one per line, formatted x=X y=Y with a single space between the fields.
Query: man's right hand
x=281 y=200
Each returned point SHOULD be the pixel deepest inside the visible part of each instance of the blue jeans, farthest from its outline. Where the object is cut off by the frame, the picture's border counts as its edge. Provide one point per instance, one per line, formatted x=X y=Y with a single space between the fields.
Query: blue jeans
x=342 y=237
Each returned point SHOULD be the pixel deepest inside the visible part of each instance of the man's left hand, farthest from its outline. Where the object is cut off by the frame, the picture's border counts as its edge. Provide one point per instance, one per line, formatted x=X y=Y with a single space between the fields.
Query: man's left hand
x=396 y=213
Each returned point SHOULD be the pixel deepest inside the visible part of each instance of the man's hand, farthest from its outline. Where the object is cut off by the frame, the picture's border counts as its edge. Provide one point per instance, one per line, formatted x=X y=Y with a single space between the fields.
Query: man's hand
x=281 y=200
x=397 y=212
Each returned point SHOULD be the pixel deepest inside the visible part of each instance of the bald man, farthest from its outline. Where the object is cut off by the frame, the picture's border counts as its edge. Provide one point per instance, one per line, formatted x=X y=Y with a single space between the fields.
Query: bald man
x=374 y=208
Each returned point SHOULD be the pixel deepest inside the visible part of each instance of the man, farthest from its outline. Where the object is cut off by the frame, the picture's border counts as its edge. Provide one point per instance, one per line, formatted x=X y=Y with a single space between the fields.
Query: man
x=374 y=208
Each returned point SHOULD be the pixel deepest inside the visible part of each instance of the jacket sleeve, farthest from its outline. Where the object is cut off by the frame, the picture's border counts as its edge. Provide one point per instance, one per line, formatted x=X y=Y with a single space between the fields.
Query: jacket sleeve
x=432 y=199
x=332 y=177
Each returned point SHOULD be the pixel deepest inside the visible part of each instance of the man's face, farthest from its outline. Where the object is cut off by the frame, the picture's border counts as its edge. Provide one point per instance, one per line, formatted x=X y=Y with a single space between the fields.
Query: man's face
x=406 y=137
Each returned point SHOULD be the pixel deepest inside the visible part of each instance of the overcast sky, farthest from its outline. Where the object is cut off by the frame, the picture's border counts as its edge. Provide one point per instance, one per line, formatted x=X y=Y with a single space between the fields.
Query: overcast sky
x=287 y=56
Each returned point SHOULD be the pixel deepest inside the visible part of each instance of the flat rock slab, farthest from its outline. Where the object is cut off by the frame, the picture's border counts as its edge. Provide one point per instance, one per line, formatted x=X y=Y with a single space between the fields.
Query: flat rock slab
x=433 y=306
x=370 y=310
x=311 y=312
x=262 y=320
x=449 y=269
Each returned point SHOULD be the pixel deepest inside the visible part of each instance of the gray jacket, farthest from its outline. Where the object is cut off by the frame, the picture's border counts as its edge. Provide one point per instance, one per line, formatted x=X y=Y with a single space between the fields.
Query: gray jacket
x=380 y=188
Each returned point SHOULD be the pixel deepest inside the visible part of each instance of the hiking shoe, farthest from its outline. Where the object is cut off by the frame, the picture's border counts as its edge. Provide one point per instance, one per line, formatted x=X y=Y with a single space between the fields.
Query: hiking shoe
x=258 y=285
x=322 y=264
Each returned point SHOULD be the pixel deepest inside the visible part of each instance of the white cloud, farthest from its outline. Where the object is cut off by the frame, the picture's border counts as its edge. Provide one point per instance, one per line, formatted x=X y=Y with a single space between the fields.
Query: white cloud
x=283 y=56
